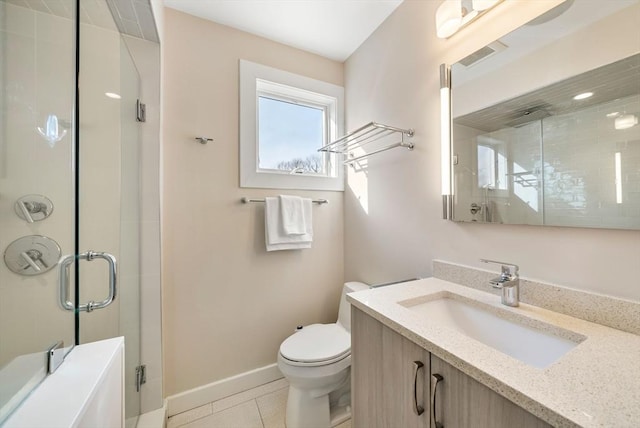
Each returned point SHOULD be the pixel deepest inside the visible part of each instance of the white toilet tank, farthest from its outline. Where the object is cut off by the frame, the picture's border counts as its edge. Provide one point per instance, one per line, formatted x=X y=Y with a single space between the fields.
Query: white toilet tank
x=344 y=313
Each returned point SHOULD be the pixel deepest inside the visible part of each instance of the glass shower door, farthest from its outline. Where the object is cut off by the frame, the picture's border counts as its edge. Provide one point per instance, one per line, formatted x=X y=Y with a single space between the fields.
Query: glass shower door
x=109 y=195
x=37 y=190
x=69 y=184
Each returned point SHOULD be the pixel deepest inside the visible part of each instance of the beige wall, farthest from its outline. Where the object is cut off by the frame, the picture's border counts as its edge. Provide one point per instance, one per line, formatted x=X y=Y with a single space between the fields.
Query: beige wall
x=393 y=77
x=227 y=303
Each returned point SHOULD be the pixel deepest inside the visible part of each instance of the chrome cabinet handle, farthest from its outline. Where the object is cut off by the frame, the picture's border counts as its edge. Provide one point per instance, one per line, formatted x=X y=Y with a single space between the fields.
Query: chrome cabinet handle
x=435 y=380
x=65 y=262
x=417 y=365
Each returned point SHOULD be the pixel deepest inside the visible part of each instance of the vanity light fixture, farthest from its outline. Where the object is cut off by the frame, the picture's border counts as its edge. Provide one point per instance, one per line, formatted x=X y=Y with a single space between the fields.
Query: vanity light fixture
x=452 y=15
x=583 y=96
x=618 y=164
x=626 y=121
x=483 y=4
x=448 y=18
x=445 y=140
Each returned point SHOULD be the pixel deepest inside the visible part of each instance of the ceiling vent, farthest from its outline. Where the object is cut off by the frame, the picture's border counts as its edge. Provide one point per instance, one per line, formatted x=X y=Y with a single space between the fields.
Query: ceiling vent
x=483 y=53
x=534 y=113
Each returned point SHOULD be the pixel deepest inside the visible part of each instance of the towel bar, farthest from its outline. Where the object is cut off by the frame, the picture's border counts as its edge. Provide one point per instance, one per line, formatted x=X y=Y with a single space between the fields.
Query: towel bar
x=315 y=201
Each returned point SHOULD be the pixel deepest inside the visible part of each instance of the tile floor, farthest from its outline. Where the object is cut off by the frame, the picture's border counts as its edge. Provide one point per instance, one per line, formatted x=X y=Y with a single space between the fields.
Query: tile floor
x=261 y=407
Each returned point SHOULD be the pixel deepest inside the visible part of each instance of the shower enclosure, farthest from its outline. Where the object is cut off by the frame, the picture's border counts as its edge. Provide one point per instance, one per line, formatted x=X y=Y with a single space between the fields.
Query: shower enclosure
x=71 y=188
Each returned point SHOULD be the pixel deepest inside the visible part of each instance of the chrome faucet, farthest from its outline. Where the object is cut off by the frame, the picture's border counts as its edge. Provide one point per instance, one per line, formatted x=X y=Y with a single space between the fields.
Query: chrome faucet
x=508 y=282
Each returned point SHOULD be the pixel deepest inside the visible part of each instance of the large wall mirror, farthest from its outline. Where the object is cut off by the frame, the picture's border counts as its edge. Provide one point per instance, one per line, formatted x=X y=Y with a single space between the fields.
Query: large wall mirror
x=545 y=121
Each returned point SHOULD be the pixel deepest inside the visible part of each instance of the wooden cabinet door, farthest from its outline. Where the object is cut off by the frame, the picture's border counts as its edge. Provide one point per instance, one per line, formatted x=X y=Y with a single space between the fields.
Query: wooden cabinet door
x=383 y=377
x=462 y=402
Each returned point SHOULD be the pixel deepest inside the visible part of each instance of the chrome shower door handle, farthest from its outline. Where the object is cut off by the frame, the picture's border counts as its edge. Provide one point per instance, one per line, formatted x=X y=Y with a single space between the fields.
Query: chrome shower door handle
x=63 y=281
x=65 y=262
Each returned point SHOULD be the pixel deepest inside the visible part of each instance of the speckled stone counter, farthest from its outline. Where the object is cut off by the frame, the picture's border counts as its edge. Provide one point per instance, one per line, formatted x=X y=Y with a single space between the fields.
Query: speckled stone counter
x=595 y=384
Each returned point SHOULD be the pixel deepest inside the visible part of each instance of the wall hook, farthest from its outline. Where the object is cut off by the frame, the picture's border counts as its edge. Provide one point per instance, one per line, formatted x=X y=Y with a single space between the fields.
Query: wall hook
x=203 y=140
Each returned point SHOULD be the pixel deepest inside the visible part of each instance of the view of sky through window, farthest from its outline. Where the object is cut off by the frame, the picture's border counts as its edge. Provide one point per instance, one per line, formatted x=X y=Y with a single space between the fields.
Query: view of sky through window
x=289 y=135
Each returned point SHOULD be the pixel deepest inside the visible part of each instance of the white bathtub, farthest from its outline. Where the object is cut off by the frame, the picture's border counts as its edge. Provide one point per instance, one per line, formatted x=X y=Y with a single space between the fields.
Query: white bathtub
x=87 y=390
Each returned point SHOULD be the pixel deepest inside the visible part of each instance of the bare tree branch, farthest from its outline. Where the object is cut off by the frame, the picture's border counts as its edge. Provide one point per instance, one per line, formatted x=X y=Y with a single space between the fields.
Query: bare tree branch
x=312 y=163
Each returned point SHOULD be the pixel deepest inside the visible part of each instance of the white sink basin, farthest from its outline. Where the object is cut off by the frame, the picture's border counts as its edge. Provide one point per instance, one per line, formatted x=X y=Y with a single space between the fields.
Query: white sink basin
x=532 y=346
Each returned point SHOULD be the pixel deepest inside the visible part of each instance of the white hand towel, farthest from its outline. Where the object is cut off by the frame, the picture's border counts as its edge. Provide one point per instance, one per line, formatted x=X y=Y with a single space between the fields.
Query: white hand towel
x=293 y=215
x=275 y=237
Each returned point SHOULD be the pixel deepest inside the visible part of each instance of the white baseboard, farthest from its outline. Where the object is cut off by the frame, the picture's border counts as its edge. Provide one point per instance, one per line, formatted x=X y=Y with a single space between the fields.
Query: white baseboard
x=202 y=395
x=154 y=419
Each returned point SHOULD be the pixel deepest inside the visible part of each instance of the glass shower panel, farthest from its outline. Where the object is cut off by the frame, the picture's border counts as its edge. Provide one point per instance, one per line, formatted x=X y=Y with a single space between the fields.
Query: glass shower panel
x=498 y=174
x=37 y=196
x=109 y=172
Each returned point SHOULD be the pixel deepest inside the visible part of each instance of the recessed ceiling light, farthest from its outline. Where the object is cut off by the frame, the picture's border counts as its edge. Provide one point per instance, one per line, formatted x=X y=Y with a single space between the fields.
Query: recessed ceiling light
x=613 y=114
x=113 y=95
x=583 y=96
x=626 y=121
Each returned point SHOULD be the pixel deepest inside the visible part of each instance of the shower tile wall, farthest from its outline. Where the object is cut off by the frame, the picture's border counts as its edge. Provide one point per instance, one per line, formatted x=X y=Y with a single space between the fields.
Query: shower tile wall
x=37 y=54
x=580 y=168
x=465 y=177
x=36 y=80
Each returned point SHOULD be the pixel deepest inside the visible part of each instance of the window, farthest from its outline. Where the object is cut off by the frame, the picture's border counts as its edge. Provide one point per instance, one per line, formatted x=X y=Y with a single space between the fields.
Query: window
x=289 y=136
x=284 y=119
x=492 y=168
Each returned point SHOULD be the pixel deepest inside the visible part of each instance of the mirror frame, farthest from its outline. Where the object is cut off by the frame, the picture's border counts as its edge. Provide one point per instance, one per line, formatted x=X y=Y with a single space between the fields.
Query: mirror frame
x=447 y=150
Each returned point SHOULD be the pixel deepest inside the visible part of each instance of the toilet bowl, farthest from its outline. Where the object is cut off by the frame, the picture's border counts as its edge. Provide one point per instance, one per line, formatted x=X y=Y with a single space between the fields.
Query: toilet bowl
x=316 y=360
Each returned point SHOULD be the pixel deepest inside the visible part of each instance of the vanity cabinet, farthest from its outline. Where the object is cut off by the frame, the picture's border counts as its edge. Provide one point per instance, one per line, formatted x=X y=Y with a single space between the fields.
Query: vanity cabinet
x=389 y=375
x=461 y=401
x=388 y=384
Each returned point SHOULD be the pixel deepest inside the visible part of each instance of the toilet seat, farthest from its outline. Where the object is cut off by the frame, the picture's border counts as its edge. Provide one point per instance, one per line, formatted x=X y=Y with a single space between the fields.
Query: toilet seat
x=316 y=345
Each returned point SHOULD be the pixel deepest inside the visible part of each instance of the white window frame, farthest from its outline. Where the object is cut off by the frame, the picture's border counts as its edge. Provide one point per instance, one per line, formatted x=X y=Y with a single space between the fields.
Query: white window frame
x=258 y=80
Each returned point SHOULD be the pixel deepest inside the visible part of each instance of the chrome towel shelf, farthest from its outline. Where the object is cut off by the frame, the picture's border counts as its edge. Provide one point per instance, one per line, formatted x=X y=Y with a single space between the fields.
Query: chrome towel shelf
x=367 y=134
x=315 y=201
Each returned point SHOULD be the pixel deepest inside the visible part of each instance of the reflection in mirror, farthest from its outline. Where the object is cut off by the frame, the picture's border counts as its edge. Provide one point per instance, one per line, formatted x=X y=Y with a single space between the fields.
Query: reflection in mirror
x=552 y=145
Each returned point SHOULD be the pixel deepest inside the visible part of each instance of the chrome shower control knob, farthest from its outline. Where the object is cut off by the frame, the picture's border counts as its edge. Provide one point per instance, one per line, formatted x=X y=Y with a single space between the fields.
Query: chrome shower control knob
x=32 y=208
x=32 y=255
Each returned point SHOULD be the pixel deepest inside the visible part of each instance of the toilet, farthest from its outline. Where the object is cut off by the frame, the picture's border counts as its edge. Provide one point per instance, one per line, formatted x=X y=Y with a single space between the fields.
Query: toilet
x=316 y=360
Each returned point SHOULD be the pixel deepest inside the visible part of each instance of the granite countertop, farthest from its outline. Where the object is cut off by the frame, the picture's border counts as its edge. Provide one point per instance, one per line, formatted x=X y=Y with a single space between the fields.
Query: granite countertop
x=595 y=384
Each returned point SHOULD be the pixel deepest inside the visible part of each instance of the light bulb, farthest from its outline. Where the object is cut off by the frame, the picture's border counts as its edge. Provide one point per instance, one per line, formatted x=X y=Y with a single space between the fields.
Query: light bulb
x=583 y=96
x=448 y=18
